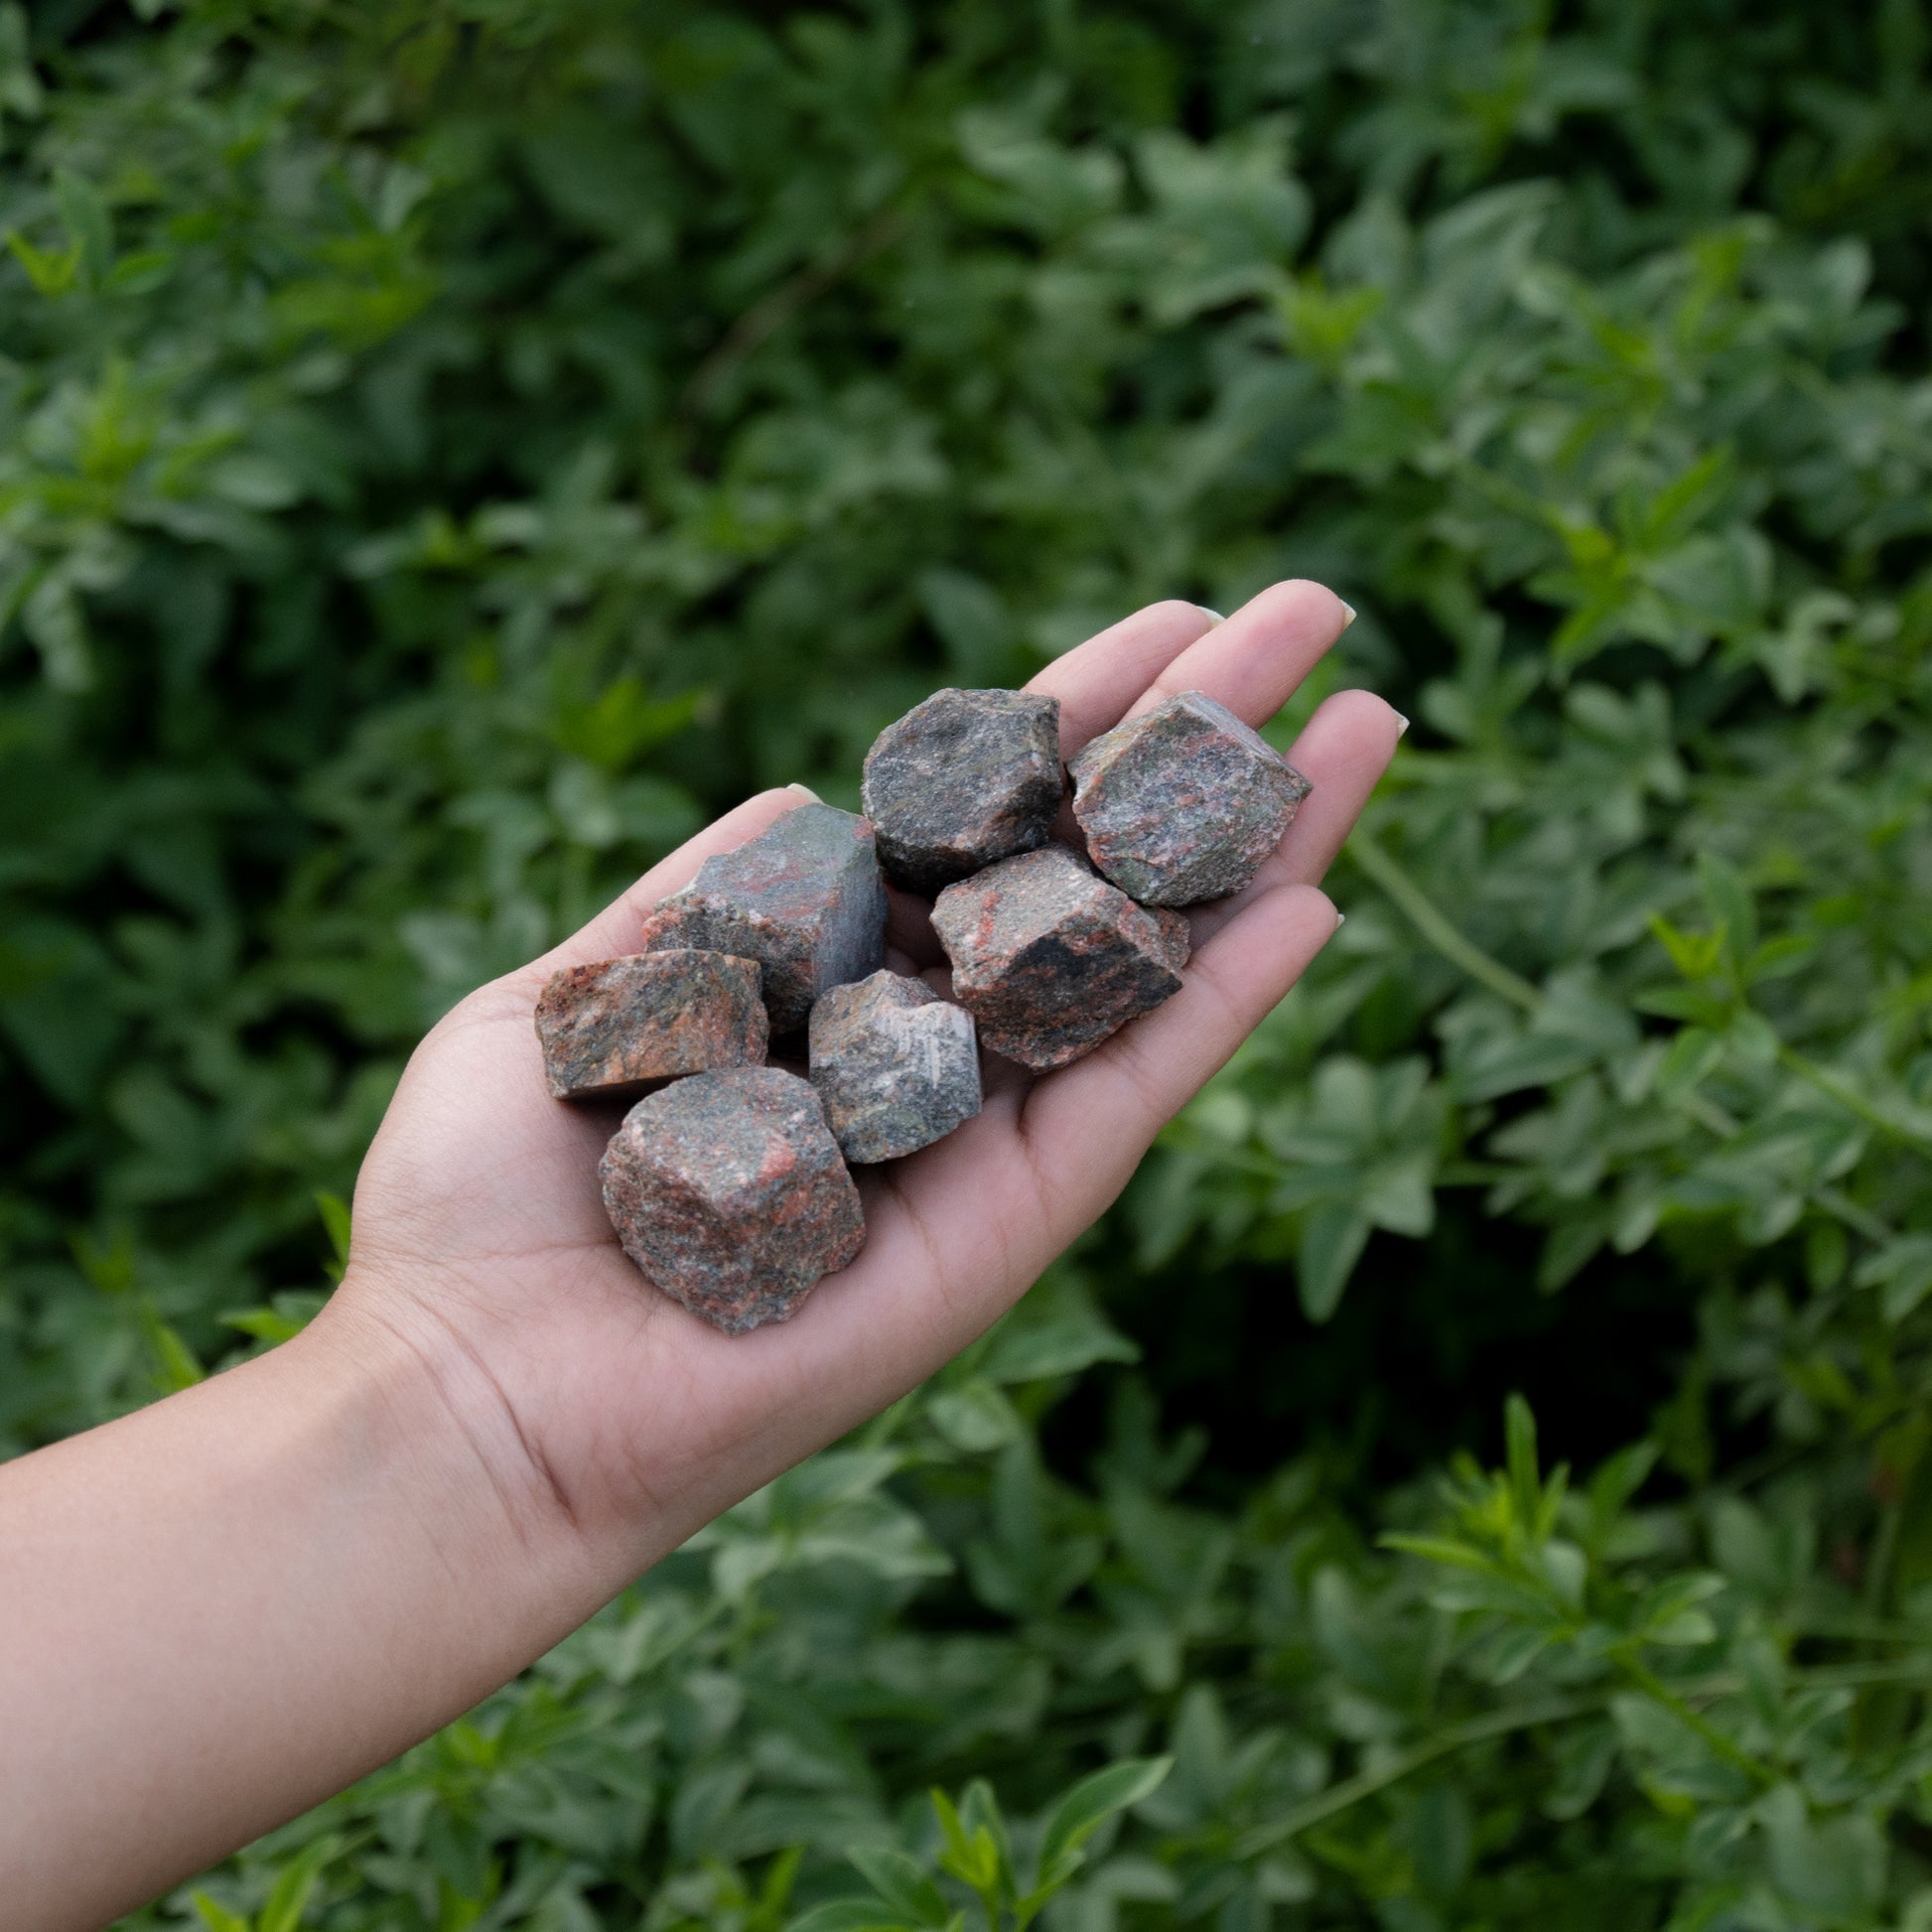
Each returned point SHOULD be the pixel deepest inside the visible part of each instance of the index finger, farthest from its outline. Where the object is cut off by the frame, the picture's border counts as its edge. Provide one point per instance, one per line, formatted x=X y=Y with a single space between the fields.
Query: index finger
x=1096 y=681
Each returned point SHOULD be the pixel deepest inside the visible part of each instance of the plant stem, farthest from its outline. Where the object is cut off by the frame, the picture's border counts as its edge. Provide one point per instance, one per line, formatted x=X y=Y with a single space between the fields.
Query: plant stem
x=1433 y=924
x=1859 y=1221
x=1853 y=1102
x=1364 y=1784
x=1653 y=1687
x=767 y=316
x=1499 y=1724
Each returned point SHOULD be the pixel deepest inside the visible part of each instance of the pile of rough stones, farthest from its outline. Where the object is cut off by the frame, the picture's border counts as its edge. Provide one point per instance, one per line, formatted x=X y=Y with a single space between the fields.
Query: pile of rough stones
x=728 y=1182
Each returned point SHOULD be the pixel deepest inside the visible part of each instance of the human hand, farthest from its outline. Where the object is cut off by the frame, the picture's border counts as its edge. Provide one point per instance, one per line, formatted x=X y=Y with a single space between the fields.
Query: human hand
x=481 y=1242
x=497 y=1424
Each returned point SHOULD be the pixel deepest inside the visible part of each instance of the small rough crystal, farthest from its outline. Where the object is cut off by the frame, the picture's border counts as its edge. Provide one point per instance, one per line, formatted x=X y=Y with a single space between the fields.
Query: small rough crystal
x=963 y=780
x=609 y=1029
x=728 y=1192
x=1183 y=802
x=803 y=899
x=1051 y=959
x=896 y=1067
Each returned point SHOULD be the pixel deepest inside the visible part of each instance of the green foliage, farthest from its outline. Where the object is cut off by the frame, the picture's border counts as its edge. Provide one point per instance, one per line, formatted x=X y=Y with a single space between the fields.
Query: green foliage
x=449 y=449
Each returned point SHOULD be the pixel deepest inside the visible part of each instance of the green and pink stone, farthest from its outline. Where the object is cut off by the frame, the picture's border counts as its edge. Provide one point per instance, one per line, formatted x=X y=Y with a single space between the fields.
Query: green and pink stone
x=964 y=779
x=609 y=1030
x=1050 y=960
x=804 y=898
x=895 y=1066
x=729 y=1192
x=1185 y=802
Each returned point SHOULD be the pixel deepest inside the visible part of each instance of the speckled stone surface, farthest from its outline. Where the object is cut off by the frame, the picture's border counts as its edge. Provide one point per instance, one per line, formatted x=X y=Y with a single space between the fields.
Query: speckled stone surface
x=804 y=898
x=1051 y=959
x=1183 y=802
x=609 y=1027
x=964 y=779
x=728 y=1192
x=896 y=1067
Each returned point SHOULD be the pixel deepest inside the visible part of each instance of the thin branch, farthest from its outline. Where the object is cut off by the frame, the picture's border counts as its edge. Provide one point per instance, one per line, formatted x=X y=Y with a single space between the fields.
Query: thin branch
x=1833 y=1088
x=1728 y=1750
x=1365 y=1784
x=1435 y=925
x=1501 y=1724
x=776 y=307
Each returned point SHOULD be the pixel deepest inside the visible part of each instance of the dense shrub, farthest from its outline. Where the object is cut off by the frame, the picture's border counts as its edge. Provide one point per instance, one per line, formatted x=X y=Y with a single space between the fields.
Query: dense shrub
x=451 y=448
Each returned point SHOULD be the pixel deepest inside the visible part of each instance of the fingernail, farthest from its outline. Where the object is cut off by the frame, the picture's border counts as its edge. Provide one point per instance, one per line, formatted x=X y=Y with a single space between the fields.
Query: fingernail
x=1342 y=919
x=1348 y=613
x=807 y=792
x=1401 y=726
x=1213 y=616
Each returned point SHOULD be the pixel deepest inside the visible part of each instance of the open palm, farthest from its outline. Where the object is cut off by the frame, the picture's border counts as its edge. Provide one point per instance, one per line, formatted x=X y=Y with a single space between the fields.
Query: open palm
x=480 y=1238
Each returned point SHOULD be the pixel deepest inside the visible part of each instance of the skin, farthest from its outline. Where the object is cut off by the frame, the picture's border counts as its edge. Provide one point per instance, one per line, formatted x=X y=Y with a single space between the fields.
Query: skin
x=224 y=1608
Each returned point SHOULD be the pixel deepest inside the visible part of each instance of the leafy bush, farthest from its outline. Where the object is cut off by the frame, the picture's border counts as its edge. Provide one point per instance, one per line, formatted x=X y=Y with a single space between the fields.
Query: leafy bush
x=450 y=446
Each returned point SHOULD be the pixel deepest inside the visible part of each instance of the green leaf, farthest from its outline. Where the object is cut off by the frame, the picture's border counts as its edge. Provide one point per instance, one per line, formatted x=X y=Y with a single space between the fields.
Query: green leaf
x=1082 y=1810
x=287 y=1898
x=1525 y=1482
x=901 y=1882
x=1333 y=1236
x=49 y=273
x=1833 y=1866
x=174 y=1362
x=972 y=1851
x=216 y=1918
x=88 y=225
x=334 y=1218
x=853 y=1915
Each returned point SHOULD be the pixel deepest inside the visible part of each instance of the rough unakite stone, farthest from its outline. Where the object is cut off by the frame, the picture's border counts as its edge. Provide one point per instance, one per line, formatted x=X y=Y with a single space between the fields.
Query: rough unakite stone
x=896 y=1065
x=1183 y=802
x=1051 y=959
x=609 y=1027
x=803 y=899
x=964 y=779
x=728 y=1192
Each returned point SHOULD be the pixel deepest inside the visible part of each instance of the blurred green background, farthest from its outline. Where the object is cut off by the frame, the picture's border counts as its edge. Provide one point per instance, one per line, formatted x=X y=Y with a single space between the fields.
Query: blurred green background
x=448 y=448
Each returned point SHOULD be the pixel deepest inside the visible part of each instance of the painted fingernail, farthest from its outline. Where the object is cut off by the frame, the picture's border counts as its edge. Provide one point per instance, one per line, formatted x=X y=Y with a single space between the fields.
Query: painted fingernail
x=1401 y=726
x=1213 y=616
x=1348 y=613
x=807 y=792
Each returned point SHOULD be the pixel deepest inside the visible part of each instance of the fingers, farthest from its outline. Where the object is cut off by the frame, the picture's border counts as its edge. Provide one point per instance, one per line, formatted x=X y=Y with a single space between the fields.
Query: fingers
x=615 y=930
x=909 y=926
x=1088 y=1125
x=1344 y=749
x=1096 y=681
x=1255 y=661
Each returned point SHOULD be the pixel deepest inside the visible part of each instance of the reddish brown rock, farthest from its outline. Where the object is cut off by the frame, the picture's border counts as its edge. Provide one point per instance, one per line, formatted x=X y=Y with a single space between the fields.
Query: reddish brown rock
x=1051 y=959
x=963 y=780
x=896 y=1065
x=728 y=1192
x=1183 y=802
x=803 y=899
x=610 y=1027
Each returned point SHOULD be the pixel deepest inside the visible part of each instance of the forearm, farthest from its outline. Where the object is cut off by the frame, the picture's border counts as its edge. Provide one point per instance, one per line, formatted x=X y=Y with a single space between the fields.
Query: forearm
x=220 y=1611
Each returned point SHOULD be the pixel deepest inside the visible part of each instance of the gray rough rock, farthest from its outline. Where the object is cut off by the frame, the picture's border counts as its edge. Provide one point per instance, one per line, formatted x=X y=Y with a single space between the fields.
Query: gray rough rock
x=1051 y=959
x=963 y=780
x=609 y=1029
x=1183 y=802
x=803 y=899
x=896 y=1067
x=728 y=1192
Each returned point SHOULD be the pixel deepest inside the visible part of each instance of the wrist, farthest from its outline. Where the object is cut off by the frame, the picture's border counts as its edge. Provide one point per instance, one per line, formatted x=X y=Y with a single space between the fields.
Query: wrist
x=433 y=1411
